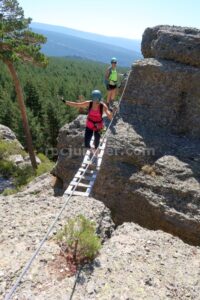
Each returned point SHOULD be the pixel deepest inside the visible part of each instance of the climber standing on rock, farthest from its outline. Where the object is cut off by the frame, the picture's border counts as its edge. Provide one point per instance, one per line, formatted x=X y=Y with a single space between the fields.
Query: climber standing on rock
x=94 y=123
x=111 y=82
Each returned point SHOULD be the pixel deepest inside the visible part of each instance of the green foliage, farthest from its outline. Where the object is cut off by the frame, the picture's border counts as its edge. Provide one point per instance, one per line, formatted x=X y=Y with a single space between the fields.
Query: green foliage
x=10 y=148
x=8 y=192
x=32 y=98
x=24 y=175
x=17 y=42
x=45 y=166
x=80 y=238
x=21 y=175
x=7 y=168
x=43 y=88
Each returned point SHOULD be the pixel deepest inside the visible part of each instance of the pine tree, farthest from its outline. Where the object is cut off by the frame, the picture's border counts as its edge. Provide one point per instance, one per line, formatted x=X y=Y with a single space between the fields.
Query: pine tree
x=18 y=43
x=32 y=98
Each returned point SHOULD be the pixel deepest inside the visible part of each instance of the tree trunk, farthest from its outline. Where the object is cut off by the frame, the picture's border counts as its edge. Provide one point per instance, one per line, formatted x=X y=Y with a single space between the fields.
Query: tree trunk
x=20 y=99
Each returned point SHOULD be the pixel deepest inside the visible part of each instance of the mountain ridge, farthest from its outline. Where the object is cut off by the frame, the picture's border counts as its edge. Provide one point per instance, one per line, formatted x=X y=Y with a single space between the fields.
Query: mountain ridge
x=131 y=44
x=62 y=44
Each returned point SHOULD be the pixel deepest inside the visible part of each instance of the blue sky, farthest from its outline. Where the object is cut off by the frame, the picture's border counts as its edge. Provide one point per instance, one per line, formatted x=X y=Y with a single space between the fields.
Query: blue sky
x=125 y=18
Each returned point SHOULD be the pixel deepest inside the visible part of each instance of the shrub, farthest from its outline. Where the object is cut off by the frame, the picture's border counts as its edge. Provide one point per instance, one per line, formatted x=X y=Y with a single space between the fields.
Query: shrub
x=79 y=242
x=8 y=191
x=10 y=148
x=7 y=168
x=21 y=175
x=24 y=175
x=149 y=170
x=45 y=166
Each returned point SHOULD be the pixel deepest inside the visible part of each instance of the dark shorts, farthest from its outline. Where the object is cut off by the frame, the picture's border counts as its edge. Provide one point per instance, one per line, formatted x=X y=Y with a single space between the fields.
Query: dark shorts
x=111 y=87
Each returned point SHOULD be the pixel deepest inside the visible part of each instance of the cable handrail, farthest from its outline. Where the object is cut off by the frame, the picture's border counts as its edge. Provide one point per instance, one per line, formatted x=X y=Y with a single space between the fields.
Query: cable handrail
x=29 y=263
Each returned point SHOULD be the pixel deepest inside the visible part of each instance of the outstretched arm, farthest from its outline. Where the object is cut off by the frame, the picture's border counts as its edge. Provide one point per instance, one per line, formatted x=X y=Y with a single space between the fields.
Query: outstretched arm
x=107 y=111
x=77 y=104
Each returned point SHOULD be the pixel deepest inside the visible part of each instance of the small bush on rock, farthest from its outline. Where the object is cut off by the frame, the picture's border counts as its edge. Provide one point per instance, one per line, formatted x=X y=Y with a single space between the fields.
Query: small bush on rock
x=10 y=148
x=149 y=170
x=79 y=242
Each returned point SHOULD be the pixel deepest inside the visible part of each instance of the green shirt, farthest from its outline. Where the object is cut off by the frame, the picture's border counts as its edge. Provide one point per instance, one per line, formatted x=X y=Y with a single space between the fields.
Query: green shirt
x=113 y=75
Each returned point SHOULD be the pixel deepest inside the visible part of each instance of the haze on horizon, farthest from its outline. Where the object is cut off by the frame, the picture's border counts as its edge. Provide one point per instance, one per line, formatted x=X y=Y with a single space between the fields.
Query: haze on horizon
x=127 y=18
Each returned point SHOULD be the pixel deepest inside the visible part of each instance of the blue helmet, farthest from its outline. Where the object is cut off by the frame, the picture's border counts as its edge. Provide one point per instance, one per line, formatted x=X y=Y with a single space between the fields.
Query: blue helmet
x=113 y=60
x=96 y=95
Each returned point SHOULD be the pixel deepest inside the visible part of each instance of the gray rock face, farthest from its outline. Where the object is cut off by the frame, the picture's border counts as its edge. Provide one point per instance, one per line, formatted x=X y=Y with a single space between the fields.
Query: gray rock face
x=158 y=125
x=141 y=264
x=169 y=198
x=70 y=149
x=163 y=94
x=134 y=263
x=28 y=216
x=158 y=122
x=181 y=44
x=6 y=133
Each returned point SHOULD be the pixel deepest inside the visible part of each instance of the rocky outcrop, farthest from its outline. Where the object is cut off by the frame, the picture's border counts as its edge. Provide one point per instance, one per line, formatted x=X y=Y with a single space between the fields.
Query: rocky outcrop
x=165 y=194
x=141 y=264
x=151 y=167
x=133 y=263
x=70 y=150
x=181 y=44
x=163 y=94
x=20 y=161
x=6 y=133
x=16 y=153
x=158 y=122
x=28 y=216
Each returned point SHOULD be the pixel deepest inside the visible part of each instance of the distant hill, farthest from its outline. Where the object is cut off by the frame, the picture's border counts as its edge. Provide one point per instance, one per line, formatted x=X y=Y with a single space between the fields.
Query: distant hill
x=69 y=42
x=131 y=44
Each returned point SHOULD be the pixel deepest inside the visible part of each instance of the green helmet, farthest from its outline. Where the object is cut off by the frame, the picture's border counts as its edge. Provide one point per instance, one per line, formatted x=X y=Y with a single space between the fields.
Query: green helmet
x=96 y=95
x=113 y=60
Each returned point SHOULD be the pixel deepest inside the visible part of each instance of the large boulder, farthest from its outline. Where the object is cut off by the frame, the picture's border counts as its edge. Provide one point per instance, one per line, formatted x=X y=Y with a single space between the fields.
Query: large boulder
x=70 y=150
x=141 y=264
x=158 y=121
x=163 y=94
x=181 y=44
x=151 y=166
x=167 y=198
x=6 y=133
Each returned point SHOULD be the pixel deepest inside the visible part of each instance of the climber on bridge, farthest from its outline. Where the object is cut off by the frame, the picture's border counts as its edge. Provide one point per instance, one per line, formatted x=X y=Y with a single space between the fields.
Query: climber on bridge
x=94 y=123
x=111 y=82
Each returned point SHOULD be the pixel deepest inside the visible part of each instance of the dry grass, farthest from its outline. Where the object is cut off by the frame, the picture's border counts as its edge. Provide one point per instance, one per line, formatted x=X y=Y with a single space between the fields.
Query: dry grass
x=149 y=170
